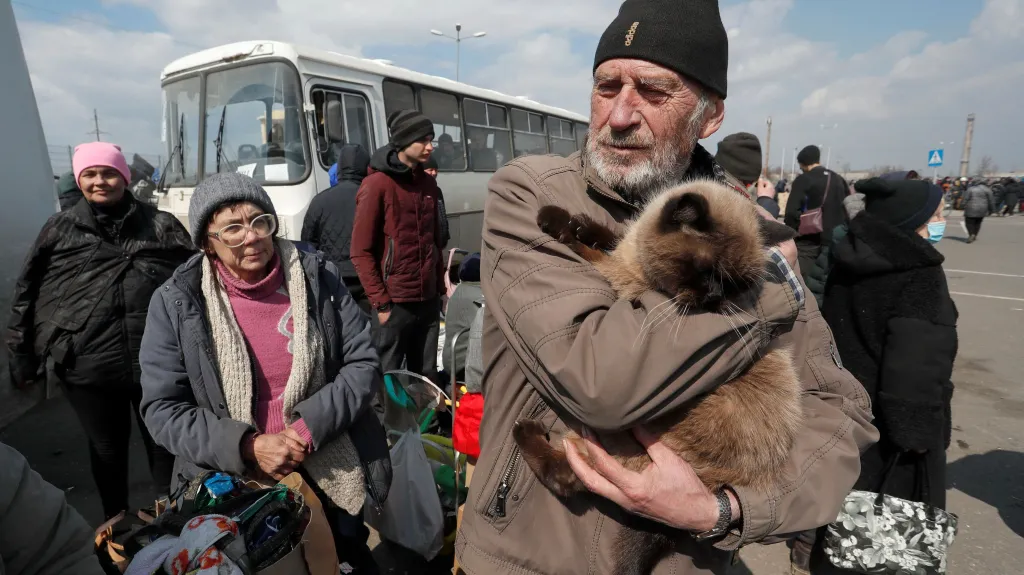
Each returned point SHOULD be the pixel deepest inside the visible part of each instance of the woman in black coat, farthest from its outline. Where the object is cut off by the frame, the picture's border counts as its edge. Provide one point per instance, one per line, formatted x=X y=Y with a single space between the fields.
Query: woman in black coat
x=894 y=323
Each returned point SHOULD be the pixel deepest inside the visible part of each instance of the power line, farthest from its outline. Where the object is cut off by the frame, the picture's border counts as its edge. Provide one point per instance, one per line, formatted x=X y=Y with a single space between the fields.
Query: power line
x=71 y=16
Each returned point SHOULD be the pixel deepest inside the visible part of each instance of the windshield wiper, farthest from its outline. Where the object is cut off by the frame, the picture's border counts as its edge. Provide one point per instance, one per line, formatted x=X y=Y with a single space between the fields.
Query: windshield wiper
x=178 y=149
x=219 y=142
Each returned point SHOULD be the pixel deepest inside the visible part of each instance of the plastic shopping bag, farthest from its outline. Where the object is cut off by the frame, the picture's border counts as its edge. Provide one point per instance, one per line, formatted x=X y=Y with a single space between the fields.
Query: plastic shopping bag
x=412 y=516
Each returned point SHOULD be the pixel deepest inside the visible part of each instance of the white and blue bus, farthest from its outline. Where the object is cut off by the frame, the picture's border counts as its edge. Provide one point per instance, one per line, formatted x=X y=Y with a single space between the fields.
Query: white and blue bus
x=278 y=112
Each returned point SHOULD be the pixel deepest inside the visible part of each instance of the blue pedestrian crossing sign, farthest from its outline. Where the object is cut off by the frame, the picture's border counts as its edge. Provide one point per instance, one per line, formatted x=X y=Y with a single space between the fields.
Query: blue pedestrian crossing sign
x=934 y=158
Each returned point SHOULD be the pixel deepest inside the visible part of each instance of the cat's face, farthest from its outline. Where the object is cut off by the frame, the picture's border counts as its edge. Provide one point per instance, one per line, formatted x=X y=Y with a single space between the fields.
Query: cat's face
x=703 y=242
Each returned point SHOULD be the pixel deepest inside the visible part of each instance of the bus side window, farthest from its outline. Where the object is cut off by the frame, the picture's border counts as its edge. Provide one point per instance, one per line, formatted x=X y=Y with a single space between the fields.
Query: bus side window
x=397 y=97
x=560 y=136
x=449 y=145
x=528 y=133
x=581 y=134
x=490 y=145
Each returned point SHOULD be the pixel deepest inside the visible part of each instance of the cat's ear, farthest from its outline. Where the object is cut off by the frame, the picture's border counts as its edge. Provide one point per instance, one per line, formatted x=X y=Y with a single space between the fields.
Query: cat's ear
x=773 y=233
x=688 y=210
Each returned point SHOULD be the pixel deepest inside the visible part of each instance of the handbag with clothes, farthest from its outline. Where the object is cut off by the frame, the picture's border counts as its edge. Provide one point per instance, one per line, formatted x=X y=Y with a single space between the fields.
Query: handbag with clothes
x=879 y=533
x=811 y=220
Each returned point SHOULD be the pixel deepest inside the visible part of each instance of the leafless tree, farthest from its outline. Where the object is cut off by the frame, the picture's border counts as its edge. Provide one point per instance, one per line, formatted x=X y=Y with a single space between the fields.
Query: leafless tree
x=987 y=167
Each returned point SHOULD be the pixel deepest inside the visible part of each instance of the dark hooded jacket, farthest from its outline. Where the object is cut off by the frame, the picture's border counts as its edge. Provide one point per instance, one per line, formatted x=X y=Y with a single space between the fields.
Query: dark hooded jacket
x=894 y=323
x=397 y=235
x=328 y=222
x=84 y=291
x=808 y=193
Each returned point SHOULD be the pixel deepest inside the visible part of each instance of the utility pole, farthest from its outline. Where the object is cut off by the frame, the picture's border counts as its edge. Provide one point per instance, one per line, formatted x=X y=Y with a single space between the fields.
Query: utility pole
x=782 y=165
x=96 y=124
x=965 y=161
x=768 y=148
x=71 y=157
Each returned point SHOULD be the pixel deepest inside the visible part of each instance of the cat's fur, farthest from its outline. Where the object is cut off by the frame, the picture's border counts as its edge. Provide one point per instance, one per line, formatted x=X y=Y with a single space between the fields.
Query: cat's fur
x=703 y=244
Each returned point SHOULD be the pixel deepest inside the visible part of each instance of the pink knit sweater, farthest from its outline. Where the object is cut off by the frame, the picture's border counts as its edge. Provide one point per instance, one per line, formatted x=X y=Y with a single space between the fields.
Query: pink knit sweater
x=263 y=311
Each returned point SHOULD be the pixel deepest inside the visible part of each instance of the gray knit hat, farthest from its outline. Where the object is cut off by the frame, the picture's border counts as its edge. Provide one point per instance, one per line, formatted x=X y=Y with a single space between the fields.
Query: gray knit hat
x=220 y=189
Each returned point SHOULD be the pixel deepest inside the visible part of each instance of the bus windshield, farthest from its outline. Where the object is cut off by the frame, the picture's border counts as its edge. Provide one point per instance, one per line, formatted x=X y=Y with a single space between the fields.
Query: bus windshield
x=254 y=125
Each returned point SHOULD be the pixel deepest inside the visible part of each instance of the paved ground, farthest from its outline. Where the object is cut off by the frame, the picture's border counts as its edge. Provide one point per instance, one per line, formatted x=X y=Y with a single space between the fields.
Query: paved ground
x=986 y=470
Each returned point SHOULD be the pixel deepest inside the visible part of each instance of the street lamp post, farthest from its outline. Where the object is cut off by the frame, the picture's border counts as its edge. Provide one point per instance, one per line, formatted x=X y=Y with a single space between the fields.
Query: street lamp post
x=828 y=160
x=458 y=43
x=935 y=171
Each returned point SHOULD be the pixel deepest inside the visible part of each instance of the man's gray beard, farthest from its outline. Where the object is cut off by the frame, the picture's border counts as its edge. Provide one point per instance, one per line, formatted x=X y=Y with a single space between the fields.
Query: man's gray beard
x=665 y=168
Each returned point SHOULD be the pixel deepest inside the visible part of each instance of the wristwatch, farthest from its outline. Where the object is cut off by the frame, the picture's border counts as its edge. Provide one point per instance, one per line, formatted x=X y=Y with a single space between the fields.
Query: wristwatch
x=724 y=518
x=384 y=307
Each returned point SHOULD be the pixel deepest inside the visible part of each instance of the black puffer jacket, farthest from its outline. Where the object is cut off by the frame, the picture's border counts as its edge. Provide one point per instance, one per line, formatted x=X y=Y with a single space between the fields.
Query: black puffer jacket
x=84 y=291
x=328 y=222
x=894 y=323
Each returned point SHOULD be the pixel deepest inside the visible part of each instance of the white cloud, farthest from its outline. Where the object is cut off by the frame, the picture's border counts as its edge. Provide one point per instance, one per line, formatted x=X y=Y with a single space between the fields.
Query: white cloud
x=892 y=101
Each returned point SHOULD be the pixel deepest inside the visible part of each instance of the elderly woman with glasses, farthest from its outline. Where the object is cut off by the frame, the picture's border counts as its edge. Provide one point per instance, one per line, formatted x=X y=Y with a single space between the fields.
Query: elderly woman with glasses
x=256 y=361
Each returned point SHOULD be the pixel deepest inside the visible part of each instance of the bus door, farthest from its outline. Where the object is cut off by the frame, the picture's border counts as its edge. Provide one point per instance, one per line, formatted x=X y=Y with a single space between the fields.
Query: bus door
x=345 y=105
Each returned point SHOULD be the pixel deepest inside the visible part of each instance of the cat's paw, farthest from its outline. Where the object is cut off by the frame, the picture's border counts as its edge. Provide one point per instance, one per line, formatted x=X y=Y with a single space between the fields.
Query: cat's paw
x=592 y=234
x=527 y=431
x=554 y=221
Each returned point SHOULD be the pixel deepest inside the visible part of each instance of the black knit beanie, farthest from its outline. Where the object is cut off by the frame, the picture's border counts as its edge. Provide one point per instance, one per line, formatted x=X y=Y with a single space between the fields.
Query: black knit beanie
x=407 y=127
x=740 y=155
x=809 y=156
x=906 y=204
x=684 y=36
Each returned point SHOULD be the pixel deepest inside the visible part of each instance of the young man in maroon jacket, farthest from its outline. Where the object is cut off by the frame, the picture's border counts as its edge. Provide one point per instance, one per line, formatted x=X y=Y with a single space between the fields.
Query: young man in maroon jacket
x=396 y=246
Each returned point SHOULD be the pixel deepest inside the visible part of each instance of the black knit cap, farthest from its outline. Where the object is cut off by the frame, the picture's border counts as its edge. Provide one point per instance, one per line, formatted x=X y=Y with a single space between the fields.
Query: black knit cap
x=740 y=155
x=809 y=156
x=407 y=127
x=686 y=36
x=906 y=204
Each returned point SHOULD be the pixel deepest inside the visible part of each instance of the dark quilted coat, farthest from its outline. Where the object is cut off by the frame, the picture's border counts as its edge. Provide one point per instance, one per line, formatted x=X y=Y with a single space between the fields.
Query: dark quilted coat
x=328 y=222
x=397 y=237
x=84 y=292
x=894 y=323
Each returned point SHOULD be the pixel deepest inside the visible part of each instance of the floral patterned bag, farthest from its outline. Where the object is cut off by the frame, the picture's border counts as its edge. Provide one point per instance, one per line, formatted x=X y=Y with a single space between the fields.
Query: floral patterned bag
x=877 y=533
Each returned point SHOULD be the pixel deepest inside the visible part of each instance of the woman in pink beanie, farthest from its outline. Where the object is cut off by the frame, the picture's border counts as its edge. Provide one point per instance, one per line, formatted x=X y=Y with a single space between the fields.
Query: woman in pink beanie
x=101 y=172
x=82 y=301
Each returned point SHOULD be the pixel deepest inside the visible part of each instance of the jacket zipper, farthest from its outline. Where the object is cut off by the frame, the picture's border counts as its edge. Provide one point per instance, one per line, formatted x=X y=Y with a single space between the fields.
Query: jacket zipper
x=388 y=259
x=501 y=497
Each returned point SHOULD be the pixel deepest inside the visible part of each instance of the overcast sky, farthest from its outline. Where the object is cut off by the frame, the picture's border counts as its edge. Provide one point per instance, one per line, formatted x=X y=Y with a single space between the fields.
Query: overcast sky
x=890 y=78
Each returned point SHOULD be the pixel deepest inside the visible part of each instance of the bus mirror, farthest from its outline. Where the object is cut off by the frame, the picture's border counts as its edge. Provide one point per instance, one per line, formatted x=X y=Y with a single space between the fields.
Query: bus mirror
x=333 y=122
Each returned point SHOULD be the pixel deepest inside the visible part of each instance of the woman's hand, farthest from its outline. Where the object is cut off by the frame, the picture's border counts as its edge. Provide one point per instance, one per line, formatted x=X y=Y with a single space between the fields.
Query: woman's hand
x=277 y=454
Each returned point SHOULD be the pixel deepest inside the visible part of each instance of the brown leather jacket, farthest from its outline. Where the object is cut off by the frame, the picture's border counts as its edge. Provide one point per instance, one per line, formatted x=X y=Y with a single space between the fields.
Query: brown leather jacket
x=559 y=346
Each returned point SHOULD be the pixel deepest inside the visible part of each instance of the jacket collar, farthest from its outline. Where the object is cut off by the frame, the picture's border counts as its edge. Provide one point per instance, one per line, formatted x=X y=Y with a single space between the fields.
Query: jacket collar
x=873 y=246
x=82 y=214
x=702 y=166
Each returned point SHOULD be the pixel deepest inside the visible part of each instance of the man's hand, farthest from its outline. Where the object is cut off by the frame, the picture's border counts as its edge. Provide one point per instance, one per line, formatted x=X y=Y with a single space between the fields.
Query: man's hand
x=667 y=491
x=765 y=189
x=277 y=454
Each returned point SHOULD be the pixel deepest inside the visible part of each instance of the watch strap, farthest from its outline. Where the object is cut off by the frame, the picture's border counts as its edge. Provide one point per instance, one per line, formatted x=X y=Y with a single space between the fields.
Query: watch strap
x=724 y=518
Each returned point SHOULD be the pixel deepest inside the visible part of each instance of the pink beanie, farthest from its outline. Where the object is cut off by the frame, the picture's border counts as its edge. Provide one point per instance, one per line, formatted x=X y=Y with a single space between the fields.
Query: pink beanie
x=100 y=154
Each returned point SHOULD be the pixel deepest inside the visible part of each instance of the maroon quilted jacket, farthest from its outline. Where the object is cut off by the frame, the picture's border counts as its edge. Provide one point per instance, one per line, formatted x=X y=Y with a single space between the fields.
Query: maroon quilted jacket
x=396 y=236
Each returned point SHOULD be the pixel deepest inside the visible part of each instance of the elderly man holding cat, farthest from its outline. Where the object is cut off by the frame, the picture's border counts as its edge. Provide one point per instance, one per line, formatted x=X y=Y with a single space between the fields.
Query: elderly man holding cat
x=561 y=348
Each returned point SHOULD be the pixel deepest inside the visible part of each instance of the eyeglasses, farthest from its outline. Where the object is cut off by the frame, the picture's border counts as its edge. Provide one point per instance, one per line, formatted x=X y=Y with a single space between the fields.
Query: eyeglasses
x=233 y=235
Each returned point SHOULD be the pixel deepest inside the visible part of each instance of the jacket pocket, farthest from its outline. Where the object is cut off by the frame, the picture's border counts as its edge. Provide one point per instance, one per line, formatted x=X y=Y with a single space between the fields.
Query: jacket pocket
x=389 y=258
x=513 y=481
